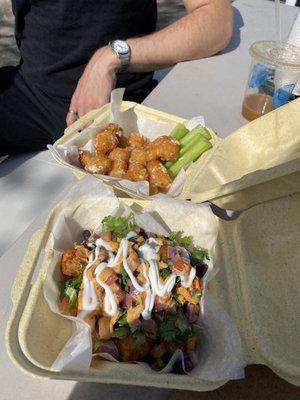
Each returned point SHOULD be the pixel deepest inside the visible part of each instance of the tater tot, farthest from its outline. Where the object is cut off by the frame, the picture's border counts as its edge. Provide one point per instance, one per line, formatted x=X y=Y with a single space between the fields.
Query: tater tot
x=164 y=148
x=114 y=128
x=138 y=156
x=159 y=176
x=119 y=168
x=105 y=142
x=119 y=154
x=136 y=141
x=95 y=164
x=136 y=172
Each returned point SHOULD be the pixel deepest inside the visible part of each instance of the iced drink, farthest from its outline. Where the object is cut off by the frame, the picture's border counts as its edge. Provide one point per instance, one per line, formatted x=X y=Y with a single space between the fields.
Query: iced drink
x=273 y=75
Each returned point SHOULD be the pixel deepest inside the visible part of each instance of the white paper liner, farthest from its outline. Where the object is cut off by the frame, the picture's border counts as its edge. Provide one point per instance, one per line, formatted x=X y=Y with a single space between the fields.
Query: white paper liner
x=219 y=354
x=130 y=122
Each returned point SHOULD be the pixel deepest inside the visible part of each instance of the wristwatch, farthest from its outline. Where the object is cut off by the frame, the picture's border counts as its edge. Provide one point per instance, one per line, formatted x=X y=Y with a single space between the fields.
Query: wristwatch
x=122 y=50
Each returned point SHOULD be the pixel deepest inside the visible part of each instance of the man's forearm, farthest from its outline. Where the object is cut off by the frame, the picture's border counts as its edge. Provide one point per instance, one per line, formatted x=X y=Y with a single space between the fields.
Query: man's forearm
x=204 y=31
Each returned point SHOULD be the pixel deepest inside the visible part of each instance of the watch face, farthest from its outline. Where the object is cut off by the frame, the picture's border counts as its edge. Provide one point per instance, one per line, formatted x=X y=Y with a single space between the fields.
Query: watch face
x=121 y=47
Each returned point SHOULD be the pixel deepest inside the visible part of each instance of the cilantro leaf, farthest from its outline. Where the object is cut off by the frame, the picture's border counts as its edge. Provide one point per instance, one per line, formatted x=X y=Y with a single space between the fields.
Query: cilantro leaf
x=168 y=329
x=118 y=225
x=139 y=338
x=165 y=272
x=122 y=321
x=121 y=332
x=198 y=256
x=172 y=235
x=124 y=279
x=185 y=241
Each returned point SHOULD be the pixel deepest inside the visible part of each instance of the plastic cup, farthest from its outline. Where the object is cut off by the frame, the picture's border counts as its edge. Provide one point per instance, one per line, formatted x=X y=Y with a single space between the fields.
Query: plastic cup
x=273 y=74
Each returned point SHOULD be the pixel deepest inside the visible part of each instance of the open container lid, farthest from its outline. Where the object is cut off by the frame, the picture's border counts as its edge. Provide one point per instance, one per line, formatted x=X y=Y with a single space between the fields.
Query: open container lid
x=258 y=254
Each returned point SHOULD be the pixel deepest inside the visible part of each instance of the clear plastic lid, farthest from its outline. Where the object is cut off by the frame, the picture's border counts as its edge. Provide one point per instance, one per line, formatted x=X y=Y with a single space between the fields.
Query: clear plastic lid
x=287 y=56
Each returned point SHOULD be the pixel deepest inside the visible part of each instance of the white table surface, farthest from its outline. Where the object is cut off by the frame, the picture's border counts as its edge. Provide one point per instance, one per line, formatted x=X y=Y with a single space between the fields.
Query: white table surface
x=29 y=184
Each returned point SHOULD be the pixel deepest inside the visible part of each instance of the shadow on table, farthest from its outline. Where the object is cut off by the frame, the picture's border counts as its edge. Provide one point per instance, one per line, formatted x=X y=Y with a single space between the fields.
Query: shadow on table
x=12 y=162
x=238 y=23
x=98 y=391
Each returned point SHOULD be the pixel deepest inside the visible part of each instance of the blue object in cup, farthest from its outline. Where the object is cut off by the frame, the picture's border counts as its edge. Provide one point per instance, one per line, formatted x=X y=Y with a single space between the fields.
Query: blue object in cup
x=281 y=95
x=259 y=76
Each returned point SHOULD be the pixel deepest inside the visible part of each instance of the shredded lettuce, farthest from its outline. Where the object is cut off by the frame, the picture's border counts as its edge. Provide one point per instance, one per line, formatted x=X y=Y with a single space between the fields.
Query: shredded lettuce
x=70 y=289
x=172 y=235
x=185 y=241
x=119 y=225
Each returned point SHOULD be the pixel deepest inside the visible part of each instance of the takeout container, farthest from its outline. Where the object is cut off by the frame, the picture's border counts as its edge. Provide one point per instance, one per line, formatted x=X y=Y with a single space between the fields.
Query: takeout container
x=258 y=254
x=253 y=153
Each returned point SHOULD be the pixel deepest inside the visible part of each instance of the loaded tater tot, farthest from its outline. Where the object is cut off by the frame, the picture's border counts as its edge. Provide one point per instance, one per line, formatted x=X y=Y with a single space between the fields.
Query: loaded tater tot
x=73 y=260
x=136 y=141
x=138 y=156
x=158 y=175
x=119 y=168
x=136 y=172
x=95 y=164
x=164 y=148
x=119 y=154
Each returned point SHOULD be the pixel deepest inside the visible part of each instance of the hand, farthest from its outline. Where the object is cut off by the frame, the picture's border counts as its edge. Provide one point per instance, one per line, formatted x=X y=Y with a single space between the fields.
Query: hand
x=96 y=83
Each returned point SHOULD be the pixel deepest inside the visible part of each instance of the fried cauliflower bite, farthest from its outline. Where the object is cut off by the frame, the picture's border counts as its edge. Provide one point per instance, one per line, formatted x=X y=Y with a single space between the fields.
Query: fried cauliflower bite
x=138 y=156
x=159 y=176
x=95 y=164
x=130 y=351
x=105 y=142
x=164 y=148
x=73 y=260
x=119 y=154
x=136 y=172
x=136 y=141
x=119 y=169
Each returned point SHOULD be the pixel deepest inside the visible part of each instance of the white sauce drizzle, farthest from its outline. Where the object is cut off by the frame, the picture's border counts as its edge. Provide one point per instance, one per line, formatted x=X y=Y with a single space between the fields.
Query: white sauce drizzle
x=153 y=286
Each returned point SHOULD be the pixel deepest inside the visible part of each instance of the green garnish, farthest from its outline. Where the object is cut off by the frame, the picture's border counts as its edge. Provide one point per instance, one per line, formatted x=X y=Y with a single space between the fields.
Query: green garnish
x=119 y=225
x=172 y=235
x=121 y=332
x=97 y=344
x=70 y=289
x=139 y=338
x=165 y=272
x=195 y=329
x=122 y=321
x=167 y=329
x=124 y=279
x=182 y=324
x=197 y=256
x=185 y=241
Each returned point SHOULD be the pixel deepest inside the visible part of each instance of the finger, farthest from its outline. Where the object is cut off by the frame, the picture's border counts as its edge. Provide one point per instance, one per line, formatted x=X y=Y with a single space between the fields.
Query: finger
x=71 y=117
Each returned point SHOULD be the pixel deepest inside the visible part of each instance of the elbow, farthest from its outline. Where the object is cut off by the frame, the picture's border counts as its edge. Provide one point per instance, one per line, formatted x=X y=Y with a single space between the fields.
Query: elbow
x=224 y=35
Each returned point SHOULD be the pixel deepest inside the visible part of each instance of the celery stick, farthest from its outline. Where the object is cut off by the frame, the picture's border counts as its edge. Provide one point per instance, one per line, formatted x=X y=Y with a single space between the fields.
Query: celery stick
x=171 y=162
x=192 y=155
x=179 y=132
x=185 y=149
x=199 y=129
x=190 y=144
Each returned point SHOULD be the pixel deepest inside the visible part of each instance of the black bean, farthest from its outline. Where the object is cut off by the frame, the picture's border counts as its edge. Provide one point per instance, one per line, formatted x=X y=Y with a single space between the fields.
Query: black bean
x=201 y=270
x=86 y=234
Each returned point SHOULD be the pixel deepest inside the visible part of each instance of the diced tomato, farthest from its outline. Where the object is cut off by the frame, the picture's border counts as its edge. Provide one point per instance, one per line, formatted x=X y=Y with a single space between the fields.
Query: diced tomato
x=63 y=305
x=181 y=265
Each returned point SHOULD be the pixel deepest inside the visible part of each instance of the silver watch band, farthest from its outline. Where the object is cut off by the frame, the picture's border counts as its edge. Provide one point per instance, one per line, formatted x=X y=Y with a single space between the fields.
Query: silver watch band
x=124 y=57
